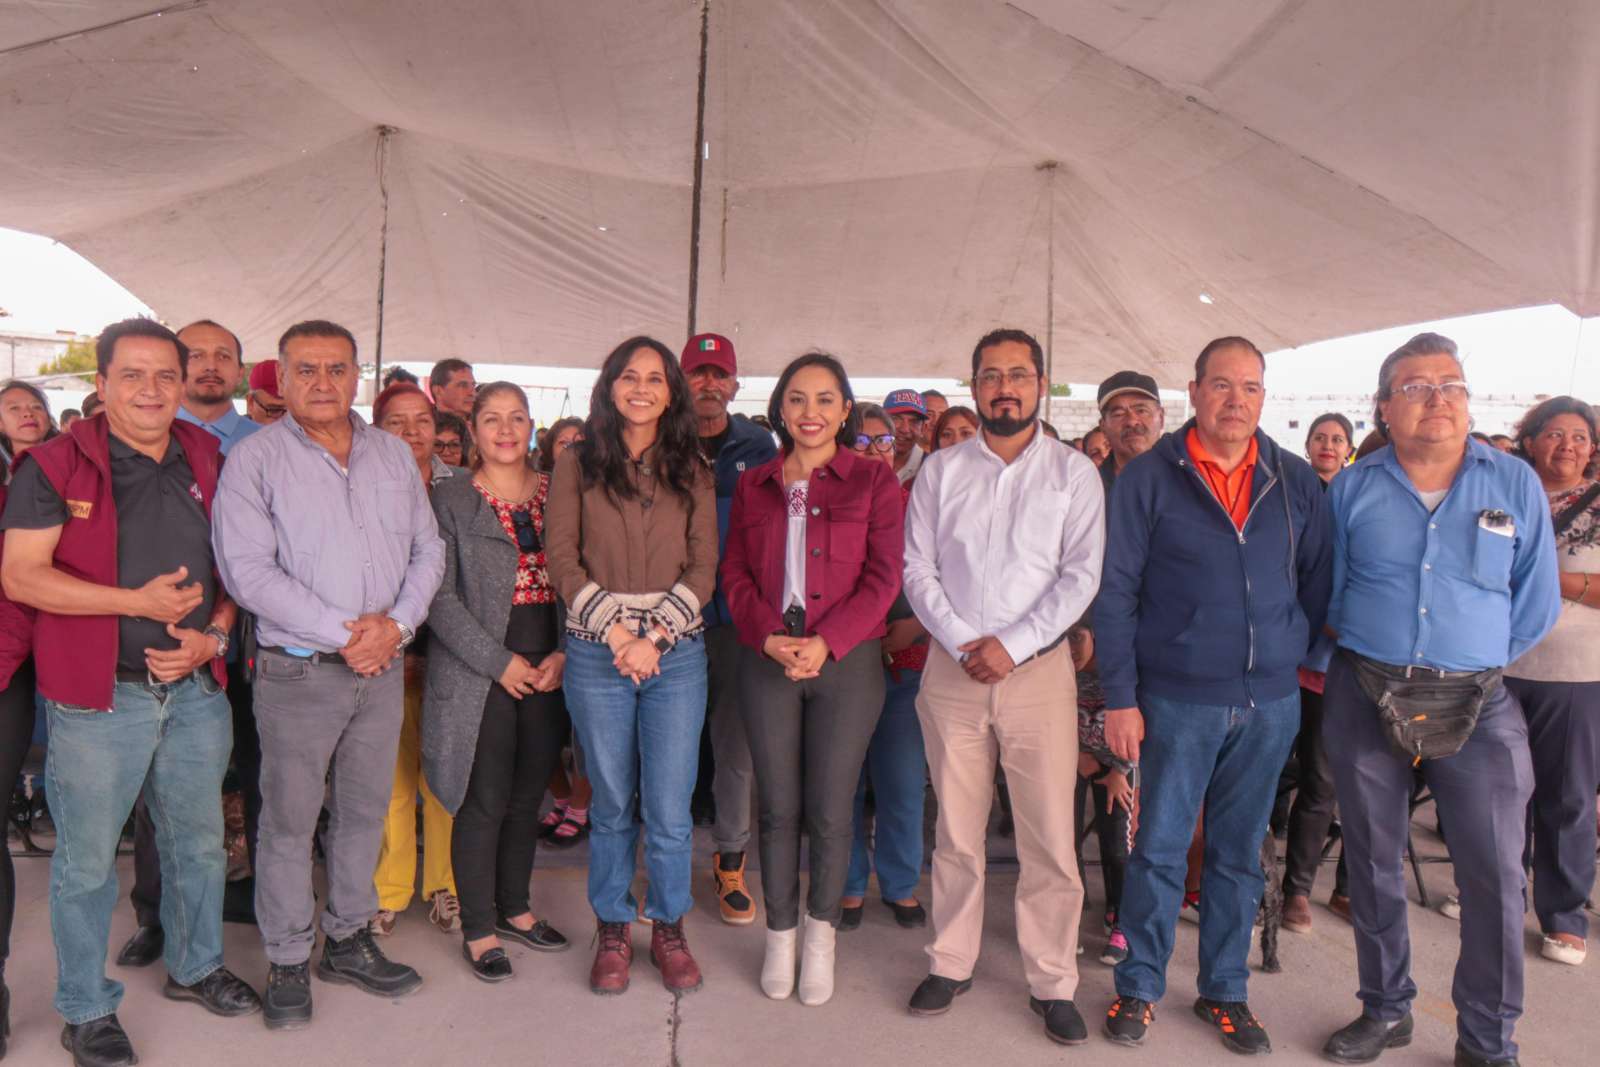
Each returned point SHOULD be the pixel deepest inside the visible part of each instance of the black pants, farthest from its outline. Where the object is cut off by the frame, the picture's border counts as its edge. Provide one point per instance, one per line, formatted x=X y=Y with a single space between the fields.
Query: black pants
x=1111 y=832
x=16 y=734
x=1312 y=813
x=807 y=743
x=146 y=893
x=519 y=744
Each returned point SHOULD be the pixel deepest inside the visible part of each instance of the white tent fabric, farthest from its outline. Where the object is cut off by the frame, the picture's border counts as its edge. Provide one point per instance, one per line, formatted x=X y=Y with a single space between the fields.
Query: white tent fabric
x=877 y=175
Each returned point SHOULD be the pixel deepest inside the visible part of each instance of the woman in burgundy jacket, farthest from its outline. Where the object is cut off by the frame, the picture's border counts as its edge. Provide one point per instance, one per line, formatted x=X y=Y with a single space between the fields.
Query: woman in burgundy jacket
x=16 y=733
x=813 y=561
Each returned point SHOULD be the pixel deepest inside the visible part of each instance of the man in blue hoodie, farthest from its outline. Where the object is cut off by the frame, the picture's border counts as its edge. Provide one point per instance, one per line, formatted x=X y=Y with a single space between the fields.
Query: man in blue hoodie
x=732 y=444
x=1217 y=574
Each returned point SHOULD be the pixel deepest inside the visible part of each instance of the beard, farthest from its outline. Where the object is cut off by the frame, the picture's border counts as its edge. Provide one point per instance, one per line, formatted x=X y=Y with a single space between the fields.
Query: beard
x=1007 y=425
x=208 y=392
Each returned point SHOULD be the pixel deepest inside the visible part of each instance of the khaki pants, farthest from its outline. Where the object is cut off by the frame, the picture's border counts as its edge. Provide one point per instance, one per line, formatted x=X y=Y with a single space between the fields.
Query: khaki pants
x=1030 y=723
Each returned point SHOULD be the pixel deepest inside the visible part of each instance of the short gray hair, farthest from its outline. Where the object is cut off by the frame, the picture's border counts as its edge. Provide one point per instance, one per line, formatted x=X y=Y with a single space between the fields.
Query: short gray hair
x=1423 y=344
x=874 y=411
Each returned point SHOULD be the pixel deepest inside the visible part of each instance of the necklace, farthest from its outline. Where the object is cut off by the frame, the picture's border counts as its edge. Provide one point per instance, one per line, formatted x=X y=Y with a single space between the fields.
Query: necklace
x=517 y=497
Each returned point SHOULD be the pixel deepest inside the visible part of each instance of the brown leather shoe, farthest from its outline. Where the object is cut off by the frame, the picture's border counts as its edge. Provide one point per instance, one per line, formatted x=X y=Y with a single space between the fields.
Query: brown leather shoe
x=609 y=975
x=1297 y=914
x=1339 y=904
x=669 y=951
x=733 y=897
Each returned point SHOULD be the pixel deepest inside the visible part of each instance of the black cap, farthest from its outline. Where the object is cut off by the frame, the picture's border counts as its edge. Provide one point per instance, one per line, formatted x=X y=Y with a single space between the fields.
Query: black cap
x=1128 y=381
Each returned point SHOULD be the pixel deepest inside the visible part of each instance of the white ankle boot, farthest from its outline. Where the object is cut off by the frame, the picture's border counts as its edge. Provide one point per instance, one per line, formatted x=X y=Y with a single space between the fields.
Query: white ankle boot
x=816 y=963
x=777 y=970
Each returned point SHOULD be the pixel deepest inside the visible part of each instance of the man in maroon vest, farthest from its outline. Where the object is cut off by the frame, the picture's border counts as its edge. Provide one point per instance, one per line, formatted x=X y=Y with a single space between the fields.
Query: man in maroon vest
x=108 y=539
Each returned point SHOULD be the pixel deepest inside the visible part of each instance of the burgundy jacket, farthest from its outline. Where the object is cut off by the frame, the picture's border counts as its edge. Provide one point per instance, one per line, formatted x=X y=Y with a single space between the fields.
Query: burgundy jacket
x=855 y=548
x=16 y=625
x=76 y=655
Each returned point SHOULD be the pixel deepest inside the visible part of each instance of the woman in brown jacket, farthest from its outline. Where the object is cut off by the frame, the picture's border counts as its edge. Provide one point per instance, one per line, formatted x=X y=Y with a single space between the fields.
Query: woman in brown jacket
x=632 y=548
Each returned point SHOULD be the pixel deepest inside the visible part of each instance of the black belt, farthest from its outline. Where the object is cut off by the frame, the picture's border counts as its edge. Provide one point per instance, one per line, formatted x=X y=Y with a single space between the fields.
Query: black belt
x=315 y=657
x=145 y=678
x=1051 y=647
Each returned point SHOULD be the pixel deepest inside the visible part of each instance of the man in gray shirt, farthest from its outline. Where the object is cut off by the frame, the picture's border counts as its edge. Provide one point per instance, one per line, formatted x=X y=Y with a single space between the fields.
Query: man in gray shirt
x=322 y=528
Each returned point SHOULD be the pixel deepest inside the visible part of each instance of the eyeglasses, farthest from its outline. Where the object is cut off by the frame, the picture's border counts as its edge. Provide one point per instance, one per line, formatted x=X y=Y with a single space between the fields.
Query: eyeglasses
x=1016 y=377
x=884 y=442
x=1423 y=392
x=527 y=535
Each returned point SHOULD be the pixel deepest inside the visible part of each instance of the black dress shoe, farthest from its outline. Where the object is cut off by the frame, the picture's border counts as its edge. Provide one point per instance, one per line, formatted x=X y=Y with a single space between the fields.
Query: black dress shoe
x=98 y=1043
x=359 y=961
x=492 y=966
x=1062 y=1023
x=143 y=948
x=1472 y=1059
x=850 y=918
x=220 y=993
x=542 y=938
x=1366 y=1039
x=287 y=1005
x=934 y=995
x=910 y=916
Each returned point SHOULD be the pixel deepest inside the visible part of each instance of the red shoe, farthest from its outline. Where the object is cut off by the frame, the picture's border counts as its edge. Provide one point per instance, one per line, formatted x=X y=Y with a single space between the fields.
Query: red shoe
x=669 y=951
x=609 y=975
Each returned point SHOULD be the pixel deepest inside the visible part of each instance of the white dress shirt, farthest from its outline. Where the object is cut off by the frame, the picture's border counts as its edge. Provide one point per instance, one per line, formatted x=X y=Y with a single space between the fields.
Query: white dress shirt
x=1008 y=550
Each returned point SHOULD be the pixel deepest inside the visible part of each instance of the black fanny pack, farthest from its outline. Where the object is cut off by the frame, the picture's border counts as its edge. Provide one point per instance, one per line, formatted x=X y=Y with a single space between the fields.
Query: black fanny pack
x=1423 y=715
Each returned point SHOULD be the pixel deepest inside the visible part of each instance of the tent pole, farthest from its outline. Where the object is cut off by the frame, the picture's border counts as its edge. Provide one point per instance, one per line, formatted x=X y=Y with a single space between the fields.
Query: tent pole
x=699 y=165
x=384 y=133
x=1049 y=167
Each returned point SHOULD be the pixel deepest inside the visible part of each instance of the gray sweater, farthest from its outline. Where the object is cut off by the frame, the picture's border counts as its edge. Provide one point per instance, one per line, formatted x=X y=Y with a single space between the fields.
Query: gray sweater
x=467 y=630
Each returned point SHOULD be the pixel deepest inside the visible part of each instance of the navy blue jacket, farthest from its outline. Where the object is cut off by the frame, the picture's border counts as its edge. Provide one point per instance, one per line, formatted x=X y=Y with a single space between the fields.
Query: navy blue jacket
x=1191 y=609
x=748 y=446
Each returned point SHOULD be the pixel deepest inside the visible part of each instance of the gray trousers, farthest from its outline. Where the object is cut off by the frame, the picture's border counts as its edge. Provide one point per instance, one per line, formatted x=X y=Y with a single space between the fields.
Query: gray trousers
x=1482 y=794
x=312 y=716
x=732 y=777
x=808 y=741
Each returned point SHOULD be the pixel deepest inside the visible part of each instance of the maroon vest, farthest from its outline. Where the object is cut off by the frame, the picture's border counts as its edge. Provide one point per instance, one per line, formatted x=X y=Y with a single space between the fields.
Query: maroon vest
x=76 y=655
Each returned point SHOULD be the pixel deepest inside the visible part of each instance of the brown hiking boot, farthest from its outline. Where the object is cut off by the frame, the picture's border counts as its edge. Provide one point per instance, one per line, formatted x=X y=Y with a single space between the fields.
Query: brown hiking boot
x=1297 y=914
x=669 y=951
x=733 y=898
x=609 y=975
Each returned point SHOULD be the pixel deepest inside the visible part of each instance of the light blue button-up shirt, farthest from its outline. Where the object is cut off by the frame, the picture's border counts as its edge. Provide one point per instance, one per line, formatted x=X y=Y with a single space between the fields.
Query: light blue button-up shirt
x=309 y=545
x=1442 y=590
x=230 y=429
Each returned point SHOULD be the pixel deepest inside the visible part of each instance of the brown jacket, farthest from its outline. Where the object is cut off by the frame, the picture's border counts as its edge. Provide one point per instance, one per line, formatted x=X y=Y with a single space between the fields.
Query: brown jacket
x=649 y=559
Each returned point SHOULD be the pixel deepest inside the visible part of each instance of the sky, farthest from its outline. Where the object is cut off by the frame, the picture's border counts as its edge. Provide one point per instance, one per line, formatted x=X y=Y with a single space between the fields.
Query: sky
x=45 y=286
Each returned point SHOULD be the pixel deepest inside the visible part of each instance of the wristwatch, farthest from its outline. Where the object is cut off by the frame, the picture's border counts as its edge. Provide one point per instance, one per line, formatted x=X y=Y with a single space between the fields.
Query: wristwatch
x=407 y=635
x=222 y=638
x=663 y=646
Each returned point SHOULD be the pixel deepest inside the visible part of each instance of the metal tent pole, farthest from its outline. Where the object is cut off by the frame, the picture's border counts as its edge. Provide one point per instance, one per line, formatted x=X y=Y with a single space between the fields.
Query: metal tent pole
x=699 y=165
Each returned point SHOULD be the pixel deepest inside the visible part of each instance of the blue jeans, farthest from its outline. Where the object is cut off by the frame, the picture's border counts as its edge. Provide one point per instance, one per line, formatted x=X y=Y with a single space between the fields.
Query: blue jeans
x=898 y=770
x=644 y=741
x=1227 y=759
x=172 y=742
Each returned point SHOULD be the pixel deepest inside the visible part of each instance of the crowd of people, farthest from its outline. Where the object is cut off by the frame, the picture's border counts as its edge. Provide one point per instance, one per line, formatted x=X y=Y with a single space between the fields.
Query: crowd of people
x=1147 y=631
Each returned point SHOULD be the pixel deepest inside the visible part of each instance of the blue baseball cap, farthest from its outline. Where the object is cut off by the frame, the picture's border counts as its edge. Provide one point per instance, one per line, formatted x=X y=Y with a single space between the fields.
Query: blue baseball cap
x=905 y=402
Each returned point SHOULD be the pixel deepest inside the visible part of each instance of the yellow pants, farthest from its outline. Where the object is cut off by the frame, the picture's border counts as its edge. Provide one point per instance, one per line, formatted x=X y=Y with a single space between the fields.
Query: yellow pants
x=396 y=877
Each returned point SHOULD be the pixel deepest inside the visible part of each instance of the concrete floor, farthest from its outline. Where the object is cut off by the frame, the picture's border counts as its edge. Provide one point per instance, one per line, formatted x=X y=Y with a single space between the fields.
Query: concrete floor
x=546 y=1015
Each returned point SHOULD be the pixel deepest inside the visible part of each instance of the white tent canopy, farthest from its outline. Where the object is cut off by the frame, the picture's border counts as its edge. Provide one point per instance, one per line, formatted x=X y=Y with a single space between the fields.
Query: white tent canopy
x=877 y=174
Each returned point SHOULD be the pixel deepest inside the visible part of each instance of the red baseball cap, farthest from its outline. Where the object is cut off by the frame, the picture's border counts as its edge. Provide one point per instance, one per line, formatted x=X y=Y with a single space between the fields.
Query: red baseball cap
x=709 y=349
x=264 y=376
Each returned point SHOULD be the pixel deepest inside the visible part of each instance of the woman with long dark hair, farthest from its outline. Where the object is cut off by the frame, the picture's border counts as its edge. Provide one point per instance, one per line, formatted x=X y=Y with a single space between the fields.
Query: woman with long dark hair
x=632 y=548
x=24 y=420
x=815 y=545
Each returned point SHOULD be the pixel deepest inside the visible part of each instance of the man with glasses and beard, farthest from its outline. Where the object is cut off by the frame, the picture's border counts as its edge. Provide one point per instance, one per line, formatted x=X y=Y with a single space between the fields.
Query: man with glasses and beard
x=1131 y=419
x=732 y=444
x=1004 y=538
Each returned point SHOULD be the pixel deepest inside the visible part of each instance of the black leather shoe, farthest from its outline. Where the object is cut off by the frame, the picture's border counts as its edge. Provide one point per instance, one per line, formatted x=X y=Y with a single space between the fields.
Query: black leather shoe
x=492 y=966
x=1366 y=1039
x=934 y=995
x=542 y=938
x=359 y=961
x=143 y=948
x=910 y=916
x=220 y=993
x=850 y=918
x=287 y=1005
x=1062 y=1023
x=1472 y=1059
x=99 y=1043
x=1238 y=1027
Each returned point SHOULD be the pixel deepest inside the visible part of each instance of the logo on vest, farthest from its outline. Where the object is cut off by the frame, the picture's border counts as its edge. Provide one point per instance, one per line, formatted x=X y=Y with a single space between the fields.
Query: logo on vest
x=739 y=465
x=194 y=491
x=80 y=509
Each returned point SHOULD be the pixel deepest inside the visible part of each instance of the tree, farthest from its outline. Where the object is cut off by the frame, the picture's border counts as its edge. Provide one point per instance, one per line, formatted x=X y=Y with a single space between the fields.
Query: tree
x=78 y=360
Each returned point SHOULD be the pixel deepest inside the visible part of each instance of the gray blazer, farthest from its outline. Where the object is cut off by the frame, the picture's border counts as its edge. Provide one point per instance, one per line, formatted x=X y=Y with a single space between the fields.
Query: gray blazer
x=467 y=631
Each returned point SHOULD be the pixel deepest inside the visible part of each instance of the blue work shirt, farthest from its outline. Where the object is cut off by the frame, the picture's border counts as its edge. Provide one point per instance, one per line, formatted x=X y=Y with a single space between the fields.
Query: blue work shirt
x=1442 y=590
x=230 y=429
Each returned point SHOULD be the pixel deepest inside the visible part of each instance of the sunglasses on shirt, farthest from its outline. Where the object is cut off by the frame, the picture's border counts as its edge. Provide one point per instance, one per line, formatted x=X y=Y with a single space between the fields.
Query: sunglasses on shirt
x=527 y=535
x=884 y=442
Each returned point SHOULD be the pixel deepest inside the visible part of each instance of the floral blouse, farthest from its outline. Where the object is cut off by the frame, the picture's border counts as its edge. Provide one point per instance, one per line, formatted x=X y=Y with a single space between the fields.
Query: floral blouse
x=1571 y=651
x=533 y=580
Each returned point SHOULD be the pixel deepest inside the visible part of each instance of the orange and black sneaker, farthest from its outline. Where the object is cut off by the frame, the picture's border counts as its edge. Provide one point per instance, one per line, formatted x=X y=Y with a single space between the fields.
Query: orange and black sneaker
x=1128 y=1020
x=733 y=898
x=1240 y=1030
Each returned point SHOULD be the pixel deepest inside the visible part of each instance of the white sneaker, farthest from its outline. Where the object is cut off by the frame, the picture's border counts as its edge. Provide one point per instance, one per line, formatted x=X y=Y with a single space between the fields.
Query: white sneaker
x=1450 y=907
x=816 y=963
x=381 y=924
x=777 y=970
x=1559 y=951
